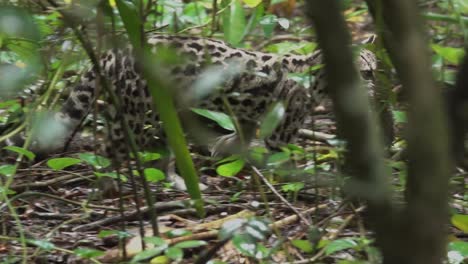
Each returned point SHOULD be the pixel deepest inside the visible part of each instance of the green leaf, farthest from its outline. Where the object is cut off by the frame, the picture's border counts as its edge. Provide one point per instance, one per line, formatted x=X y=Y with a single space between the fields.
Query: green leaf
x=339 y=244
x=221 y=119
x=146 y=254
x=178 y=233
x=98 y=162
x=43 y=244
x=245 y=244
x=231 y=168
x=132 y=22
x=460 y=221
x=234 y=23
x=303 y=245
x=191 y=244
x=8 y=170
x=112 y=175
x=154 y=175
x=272 y=120
x=148 y=156
x=61 y=163
x=118 y=233
x=88 y=253
x=252 y=3
x=452 y=55
x=278 y=158
x=269 y=23
x=21 y=151
x=175 y=253
x=458 y=250
x=157 y=241
x=292 y=187
x=399 y=116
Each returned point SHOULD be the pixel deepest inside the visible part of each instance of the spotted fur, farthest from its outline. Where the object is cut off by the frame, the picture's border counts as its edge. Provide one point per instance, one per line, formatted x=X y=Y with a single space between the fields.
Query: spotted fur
x=252 y=82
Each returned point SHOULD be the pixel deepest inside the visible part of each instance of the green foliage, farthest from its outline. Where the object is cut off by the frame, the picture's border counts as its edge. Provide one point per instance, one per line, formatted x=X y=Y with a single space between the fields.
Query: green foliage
x=460 y=221
x=62 y=163
x=21 y=151
x=98 y=162
x=88 y=253
x=174 y=252
x=230 y=166
x=221 y=119
x=247 y=235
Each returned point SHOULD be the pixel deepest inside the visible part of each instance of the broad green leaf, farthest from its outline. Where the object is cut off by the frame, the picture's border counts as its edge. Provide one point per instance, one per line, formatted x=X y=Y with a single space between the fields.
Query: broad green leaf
x=231 y=227
x=287 y=47
x=278 y=158
x=231 y=168
x=452 y=55
x=148 y=156
x=132 y=22
x=292 y=187
x=98 y=162
x=8 y=170
x=157 y=241
x=43 y=244
x=303 y=245
x=234 y=23
x=112 y=175
x=191 y=244
x=21 y=151
x=178 y=233
x=272 y=120
x=339 y=244
x=252 y=3
x=62 y=163
x=457 y=252
x=283 y=22
x=88 y=253
x=118 y=233
x=221 y=119
x=399 y=116
x=146 y=254
x=154 y=175
x=268 y=23
x=460 y=221
x=245 y=244
x=160 y=260
x=175 y=253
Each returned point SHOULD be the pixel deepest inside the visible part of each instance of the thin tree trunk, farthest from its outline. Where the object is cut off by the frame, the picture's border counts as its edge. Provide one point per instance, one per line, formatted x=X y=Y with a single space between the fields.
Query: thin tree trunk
x=356 y=124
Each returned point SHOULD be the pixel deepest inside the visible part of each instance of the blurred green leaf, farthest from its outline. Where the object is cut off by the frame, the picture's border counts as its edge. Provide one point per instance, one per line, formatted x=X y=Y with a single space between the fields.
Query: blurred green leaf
x=42 y=244
x=339 y=244
x=154 y=175
x=98 y=162
x=231 y=168
x=252 y=3
x=457 y=252
x=452 y=55
x=88 y=253
x=132 y=22
x=272 y=119
x=8 y=170
x=191 y=244
x=303 y=245
x=21 y=151
x=221 y=119
x=460 y=221
x=62 y=163
x=175 y=253
x=234 y=23
x=278 y=158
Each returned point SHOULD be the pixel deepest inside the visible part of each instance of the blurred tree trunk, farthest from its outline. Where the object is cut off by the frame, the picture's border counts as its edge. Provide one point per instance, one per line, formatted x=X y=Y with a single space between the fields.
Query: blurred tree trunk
x=457 y=103
x=364 y=157
x=417 y=234
x=429 y=163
